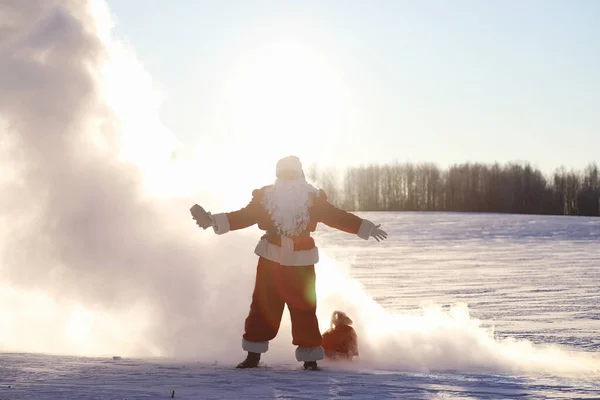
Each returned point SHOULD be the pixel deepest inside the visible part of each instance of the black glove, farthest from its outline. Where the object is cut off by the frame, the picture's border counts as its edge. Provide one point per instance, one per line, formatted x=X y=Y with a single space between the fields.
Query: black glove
x=203 y=219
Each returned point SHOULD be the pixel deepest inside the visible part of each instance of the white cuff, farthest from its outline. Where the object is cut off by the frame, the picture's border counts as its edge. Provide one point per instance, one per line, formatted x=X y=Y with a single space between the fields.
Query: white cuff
x=309 y=353
x=255 y=347
x=221 y=223
x=366 y=226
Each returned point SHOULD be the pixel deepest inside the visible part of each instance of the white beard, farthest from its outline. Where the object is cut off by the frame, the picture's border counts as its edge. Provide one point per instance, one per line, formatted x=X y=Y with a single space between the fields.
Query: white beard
x=288 y=201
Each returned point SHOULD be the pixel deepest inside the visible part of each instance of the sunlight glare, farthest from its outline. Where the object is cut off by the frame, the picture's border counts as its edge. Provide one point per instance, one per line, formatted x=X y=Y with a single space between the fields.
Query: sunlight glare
x=285 y=97
x=282 y=98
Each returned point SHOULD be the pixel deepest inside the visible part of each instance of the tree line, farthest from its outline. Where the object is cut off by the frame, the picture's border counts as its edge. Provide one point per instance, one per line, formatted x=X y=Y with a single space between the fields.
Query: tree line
x=470 y=187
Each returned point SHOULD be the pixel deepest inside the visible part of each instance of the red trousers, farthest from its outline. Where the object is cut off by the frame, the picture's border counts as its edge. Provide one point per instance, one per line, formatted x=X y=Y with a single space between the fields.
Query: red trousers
x=276 y=286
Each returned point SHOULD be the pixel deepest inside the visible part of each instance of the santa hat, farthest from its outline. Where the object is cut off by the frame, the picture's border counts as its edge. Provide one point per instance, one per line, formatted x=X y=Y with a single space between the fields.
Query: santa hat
x=289 y=168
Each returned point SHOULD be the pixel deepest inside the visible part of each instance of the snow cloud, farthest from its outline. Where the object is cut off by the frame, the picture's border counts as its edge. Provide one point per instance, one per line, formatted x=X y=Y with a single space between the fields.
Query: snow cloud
x=92 y=264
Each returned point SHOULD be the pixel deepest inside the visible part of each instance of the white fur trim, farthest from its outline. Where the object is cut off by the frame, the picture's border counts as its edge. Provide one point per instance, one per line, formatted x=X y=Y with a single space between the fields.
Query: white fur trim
x=286 y=255
x=255 y=347
x=364 y=232
x=221 y=223
x=309 y=353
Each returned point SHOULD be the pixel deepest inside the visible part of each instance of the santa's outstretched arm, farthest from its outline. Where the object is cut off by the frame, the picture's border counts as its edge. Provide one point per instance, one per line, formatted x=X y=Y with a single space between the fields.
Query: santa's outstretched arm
x=345 y=221
x=227 y=221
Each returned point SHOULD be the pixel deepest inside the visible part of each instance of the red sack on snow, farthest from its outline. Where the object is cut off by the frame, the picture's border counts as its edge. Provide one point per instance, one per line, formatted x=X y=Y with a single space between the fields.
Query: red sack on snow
x=340 y=340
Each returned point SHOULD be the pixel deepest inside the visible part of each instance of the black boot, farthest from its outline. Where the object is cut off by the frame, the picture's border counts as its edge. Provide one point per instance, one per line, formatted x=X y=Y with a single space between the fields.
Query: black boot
x=251 y=361
x=311 y=365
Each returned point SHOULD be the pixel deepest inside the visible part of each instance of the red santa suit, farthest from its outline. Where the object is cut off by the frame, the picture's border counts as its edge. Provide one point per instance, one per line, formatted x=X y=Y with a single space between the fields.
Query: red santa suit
x=287 y=255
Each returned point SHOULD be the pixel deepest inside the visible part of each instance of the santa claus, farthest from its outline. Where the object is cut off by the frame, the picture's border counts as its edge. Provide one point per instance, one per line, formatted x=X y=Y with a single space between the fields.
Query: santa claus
x=288 y=211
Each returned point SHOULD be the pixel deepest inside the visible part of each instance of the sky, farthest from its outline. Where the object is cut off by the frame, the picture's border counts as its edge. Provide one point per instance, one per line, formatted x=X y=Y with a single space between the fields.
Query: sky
x=351 y=82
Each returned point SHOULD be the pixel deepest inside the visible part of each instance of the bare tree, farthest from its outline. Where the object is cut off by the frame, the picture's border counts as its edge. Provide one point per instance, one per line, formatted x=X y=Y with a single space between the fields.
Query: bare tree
x=509 y=188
